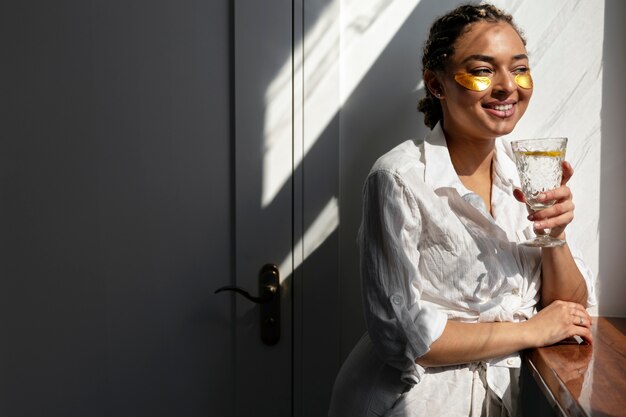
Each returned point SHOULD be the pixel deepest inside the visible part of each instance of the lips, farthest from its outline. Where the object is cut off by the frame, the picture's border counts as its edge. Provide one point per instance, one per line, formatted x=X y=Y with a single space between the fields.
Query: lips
x=501 y=110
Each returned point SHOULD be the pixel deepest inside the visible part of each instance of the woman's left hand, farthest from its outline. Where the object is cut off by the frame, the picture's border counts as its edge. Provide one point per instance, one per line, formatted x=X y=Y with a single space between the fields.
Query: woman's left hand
x=559 y=215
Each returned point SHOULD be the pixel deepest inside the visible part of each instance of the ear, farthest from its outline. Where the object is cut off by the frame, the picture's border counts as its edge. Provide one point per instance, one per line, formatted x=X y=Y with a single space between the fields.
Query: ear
x=434 y=85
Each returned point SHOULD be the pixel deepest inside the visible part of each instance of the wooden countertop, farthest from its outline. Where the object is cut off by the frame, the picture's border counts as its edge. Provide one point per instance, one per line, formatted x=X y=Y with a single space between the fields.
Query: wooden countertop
x=585 y=380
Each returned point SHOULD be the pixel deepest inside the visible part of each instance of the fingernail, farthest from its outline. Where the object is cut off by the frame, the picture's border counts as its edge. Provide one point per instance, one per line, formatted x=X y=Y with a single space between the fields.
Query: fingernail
x=538 y=225
x=541 y=197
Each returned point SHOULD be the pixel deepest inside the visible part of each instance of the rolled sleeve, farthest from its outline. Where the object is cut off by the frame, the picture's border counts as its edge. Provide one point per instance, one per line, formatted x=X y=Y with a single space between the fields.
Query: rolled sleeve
x=400 y=327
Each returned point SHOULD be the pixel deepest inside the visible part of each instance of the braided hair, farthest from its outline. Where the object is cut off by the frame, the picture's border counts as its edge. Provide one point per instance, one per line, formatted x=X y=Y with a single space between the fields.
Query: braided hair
x=439 y=46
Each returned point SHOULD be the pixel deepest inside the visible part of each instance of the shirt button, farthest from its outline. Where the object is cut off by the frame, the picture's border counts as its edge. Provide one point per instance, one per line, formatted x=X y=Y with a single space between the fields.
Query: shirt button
x=396 y=299
x=515 y=291
x=510 y=361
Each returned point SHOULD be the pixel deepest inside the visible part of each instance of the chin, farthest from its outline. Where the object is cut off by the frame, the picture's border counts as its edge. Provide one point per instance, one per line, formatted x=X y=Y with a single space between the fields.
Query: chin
x=504 y=131
x=503 y=127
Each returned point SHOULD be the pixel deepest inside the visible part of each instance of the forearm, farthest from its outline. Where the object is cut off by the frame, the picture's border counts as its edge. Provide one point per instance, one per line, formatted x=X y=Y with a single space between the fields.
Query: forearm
x=469 y=342
x=561 y=278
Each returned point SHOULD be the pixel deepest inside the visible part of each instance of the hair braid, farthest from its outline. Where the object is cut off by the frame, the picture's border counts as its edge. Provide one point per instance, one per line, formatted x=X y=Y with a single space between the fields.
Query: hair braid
x=439 y=46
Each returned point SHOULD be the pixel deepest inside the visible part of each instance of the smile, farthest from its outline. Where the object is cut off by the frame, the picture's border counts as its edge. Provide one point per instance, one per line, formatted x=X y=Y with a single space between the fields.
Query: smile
x=504 y=107
x=501 y=107
x=500 y=110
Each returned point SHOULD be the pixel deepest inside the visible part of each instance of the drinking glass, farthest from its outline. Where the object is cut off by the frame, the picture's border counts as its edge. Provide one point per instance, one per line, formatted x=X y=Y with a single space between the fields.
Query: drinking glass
x=539 y=163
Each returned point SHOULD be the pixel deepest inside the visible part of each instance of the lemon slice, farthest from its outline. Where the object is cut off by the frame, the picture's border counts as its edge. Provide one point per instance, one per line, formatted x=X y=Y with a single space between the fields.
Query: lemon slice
x=550 y=154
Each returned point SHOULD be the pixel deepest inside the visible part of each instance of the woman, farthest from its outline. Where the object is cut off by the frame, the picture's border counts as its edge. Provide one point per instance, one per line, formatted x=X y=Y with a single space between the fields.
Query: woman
x=450 y=296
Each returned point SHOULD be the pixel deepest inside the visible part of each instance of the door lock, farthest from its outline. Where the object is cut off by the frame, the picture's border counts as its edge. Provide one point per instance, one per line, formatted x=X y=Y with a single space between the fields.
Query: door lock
x=268 y=300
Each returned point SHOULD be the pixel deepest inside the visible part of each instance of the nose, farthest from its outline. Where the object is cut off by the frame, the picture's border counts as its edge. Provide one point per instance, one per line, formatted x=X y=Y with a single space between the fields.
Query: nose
x=503 y=83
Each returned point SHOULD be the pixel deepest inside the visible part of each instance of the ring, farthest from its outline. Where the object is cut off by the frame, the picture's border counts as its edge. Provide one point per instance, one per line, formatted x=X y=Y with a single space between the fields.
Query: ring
x=581 y=322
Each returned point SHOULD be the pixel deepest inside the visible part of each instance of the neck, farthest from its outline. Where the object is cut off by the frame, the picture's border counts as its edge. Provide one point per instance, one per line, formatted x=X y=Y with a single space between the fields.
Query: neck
x=471 y=157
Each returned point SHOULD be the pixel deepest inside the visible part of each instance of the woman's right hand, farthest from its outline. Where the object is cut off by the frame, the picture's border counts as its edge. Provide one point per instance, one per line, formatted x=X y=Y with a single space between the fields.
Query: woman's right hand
x=558 y=321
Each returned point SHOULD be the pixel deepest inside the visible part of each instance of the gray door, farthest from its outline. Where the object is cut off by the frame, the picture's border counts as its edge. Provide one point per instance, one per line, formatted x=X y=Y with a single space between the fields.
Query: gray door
x=146 y=159
x=116 y=209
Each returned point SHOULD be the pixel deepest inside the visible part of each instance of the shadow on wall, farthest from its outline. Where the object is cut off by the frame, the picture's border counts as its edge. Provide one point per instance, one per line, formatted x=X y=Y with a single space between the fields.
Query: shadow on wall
x=612 y=224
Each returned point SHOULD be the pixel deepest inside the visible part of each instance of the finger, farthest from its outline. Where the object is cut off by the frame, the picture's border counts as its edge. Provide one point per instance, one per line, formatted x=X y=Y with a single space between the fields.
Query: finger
x=556 y=224
x=568 y=171
x=578 y=308
x=558 y=194
x=585 y=334
x=519 y=195
x=582 y=316
x=587 y=317
x=556 y=210
x=552 y=219
x=582 y=321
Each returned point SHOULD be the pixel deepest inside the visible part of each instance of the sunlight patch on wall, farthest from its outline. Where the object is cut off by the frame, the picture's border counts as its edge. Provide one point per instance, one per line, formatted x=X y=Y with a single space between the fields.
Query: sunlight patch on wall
x=323 y=226
x=367 y=29
x=355 y=31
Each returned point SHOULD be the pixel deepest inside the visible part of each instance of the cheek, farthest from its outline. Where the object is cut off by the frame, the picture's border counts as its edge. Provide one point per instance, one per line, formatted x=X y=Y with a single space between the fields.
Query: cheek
x=530 y=94
x=462 y=97
x=524 y=99
x=461 y=105
x=525 y=95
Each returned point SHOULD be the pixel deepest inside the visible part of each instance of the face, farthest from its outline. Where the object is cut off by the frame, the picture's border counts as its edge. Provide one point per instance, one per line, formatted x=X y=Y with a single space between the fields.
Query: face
x=496 y=52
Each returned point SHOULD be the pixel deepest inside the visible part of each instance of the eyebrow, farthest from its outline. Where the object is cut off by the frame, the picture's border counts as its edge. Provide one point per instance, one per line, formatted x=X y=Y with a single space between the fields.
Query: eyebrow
x=487 y=58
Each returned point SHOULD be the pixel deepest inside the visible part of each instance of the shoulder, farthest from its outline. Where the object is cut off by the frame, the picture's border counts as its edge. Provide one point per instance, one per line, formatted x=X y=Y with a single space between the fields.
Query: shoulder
x=398 y=175
x=405 y=158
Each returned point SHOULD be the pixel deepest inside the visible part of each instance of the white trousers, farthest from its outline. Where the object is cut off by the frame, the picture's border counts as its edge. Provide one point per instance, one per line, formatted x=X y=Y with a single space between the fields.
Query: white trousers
x=367 y=387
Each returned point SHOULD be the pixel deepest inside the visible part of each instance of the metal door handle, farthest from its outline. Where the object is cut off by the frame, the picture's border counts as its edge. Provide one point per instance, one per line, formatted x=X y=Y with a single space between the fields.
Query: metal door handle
x=269 y=301
x=266 y=295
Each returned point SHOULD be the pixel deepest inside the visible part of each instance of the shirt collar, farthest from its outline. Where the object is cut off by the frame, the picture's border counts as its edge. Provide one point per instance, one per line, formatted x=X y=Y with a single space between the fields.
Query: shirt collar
x=505 y=168
x=439 y=172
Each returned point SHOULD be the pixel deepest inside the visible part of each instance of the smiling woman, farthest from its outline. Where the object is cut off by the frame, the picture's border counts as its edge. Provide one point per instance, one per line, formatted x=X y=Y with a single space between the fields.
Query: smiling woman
x=450 y=296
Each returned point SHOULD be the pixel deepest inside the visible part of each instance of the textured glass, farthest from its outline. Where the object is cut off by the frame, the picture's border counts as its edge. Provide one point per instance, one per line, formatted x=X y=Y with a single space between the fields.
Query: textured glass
x=539 y=164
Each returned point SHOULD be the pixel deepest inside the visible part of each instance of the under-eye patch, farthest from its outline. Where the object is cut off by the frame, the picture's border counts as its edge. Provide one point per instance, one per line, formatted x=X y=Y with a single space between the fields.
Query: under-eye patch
x=524 y=80
x=472 y=82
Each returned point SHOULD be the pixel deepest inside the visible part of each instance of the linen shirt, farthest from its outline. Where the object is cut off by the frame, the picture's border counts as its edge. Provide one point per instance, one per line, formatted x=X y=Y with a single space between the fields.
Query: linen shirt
x=430 y=252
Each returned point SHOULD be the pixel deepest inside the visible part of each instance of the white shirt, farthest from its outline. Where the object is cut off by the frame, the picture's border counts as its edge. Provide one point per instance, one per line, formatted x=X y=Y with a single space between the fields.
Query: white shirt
x=430 y=252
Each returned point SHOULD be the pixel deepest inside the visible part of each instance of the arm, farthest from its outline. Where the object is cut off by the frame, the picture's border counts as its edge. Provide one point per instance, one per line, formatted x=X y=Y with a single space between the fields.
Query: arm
x=400 y=327
x=562 y=279
x=468 y=342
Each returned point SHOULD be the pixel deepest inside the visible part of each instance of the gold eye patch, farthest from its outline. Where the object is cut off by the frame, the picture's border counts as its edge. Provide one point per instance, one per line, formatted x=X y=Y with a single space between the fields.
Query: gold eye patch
x=476 y=83
x=472 y=82
x=524 y=80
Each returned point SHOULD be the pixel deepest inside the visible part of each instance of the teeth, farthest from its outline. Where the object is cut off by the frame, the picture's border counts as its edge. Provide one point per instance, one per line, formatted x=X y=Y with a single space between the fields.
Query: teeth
x=504 y=107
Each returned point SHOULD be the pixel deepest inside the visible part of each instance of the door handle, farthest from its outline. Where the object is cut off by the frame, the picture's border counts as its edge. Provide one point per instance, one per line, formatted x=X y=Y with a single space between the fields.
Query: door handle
x=268 y=300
